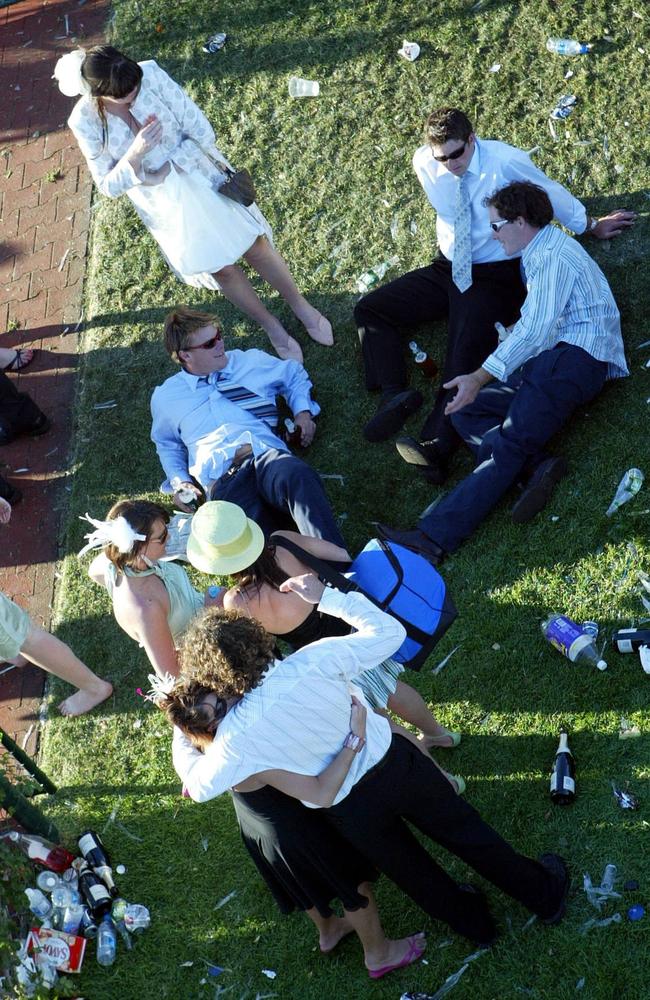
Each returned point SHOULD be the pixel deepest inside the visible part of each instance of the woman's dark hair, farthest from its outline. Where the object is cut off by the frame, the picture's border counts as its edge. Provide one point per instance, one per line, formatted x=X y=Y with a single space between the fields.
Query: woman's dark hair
x=141 y=515
x=109 y=73
x=265 y=569
x=522 y=199
x=186 y=708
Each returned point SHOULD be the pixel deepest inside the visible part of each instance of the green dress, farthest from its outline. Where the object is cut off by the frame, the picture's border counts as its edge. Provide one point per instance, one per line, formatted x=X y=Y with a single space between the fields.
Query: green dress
x=14 y=626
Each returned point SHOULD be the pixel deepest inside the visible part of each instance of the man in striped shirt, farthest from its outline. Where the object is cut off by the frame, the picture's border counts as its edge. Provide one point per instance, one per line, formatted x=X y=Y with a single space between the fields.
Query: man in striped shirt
x=557 y=357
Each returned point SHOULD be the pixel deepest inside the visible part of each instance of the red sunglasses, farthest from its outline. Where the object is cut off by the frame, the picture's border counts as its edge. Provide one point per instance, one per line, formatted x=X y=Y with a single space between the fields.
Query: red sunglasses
x=207 y=345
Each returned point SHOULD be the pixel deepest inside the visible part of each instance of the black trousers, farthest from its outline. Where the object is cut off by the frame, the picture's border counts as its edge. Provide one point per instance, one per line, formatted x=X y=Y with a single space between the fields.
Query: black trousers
x=18 y=411
x=387 y=316
x=275 y=484
x=406 y=786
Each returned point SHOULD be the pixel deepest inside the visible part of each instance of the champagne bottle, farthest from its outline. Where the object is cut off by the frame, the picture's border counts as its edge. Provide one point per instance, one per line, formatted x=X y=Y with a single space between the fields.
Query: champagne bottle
x=95 y=894
x=563 y=785
x=630 y=640
x=95 y=854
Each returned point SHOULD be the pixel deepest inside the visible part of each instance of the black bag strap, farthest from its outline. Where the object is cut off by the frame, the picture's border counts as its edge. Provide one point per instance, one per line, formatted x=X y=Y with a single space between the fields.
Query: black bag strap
x=325 y=573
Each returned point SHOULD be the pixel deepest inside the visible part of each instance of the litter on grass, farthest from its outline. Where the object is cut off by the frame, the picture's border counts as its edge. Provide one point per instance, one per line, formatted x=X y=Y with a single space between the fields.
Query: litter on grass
x=589 y=925
x=269 y=973
x=443 y=663
x=625 y=799
x=627 y=731
x=409 y=51
x=226 y=899
x=628 y=487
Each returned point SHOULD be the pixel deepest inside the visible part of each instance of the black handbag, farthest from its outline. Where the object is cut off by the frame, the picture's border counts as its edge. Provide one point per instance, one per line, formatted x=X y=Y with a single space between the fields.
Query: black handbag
x=238 y=186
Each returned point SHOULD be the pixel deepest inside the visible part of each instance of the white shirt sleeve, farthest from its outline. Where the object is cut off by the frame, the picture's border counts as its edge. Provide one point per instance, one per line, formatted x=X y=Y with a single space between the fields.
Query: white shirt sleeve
x=204 y=775
x=112 y=177
x=171 y=449
x=377 y=636
x=570 y=212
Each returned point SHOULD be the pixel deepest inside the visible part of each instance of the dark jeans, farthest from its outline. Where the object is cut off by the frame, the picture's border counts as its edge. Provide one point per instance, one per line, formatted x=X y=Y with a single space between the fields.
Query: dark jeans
x=18 y=411
x=274 y=484
x=407 y=786
x=386 y=316
x=507 y=427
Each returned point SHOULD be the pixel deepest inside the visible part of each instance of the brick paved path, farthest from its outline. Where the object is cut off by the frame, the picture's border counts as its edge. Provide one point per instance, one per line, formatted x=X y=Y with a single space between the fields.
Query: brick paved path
x=44 y=218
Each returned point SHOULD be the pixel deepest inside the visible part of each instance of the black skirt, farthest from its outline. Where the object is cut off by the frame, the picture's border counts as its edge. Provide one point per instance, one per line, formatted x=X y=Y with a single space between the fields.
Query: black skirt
x=305 y=863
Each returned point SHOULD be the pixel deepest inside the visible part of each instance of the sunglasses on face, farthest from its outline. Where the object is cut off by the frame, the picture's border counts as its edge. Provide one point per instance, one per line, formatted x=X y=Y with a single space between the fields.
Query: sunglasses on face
x=456 y=155
x=207 y=345
x=496 y=227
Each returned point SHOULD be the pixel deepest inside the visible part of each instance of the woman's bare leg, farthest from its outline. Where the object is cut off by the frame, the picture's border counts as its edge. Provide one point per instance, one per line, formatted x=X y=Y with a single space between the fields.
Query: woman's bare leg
x=378 y=950
x=330 y=929
x=408 y=704
x=268 y=263
x=48 y=652
x=237 y=288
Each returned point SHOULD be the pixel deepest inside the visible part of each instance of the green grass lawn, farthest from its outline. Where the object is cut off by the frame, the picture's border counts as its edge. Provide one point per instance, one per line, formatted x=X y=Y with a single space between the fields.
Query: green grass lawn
x=335 y=180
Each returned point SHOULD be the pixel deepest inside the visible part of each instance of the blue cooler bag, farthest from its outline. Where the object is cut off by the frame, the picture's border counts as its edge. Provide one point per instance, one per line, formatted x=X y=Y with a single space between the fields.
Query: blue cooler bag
x=401 y=582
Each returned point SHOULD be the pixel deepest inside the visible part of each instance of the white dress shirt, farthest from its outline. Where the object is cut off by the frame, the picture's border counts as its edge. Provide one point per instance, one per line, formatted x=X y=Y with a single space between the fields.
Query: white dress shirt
x=493 y=165
x=568 y=300
x=298 y=718
x=197 y=430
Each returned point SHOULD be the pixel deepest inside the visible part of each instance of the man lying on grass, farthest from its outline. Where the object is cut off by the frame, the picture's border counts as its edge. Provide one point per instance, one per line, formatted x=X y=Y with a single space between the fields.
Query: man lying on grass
x=294 y=715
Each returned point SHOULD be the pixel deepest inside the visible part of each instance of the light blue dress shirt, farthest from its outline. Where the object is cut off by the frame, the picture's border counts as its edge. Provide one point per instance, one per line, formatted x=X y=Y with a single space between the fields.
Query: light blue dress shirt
x=197 y=431
x=493 y=165
x=568 y=300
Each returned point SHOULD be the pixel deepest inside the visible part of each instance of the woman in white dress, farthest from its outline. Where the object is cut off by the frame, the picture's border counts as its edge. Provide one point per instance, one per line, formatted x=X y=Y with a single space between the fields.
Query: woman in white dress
x=144 y=137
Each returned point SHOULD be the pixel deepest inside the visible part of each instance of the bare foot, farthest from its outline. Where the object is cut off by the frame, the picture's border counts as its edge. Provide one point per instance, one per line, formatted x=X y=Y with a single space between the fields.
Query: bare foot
x=395 y=955
x=84 y=700
x=440 y=737
x=337 y=929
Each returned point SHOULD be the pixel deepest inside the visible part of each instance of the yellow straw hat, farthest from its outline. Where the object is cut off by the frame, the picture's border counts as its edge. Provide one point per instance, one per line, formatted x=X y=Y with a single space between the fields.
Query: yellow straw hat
x=222 y=539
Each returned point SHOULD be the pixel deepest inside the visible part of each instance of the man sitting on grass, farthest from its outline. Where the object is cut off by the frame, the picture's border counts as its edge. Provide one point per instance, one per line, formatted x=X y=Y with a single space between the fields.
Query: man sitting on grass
x=294 y=715
x=214 y=423
x=557 y=357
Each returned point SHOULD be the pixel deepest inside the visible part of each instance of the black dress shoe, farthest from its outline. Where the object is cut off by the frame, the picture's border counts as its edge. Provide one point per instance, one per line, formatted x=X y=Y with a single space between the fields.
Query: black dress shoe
x=416 y=540
x=539 y=489
x=391 y=414
x=426 y=456
x=41 y=426
x=479 y=926
x=557 y=867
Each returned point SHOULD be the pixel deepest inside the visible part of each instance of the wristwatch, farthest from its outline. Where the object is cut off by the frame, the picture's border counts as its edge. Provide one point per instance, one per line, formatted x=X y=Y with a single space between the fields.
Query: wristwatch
x=354 y=742
x=592 y=222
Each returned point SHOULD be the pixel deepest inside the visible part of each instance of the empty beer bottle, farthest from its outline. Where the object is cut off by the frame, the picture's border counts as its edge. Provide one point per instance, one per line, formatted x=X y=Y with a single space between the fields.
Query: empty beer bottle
x=427 y=366
x=563 y=784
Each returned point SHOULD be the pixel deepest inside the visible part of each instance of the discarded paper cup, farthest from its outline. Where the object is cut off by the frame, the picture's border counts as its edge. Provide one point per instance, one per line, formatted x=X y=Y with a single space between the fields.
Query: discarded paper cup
x=409 y=50
x=303 y=88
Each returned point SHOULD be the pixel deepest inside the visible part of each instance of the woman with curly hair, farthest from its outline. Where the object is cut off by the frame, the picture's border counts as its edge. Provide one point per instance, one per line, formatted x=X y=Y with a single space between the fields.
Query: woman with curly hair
x=153 y=600
x=303 y=861
x=224 y=541
x=144 y=137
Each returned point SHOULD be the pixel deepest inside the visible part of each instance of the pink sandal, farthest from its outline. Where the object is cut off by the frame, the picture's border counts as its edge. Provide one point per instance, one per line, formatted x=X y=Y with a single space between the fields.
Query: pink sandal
x=18 y=362
x=416 y=948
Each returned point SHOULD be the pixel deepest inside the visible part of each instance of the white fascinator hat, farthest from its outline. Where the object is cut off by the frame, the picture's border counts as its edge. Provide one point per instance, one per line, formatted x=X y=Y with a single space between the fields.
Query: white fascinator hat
x=67 y=74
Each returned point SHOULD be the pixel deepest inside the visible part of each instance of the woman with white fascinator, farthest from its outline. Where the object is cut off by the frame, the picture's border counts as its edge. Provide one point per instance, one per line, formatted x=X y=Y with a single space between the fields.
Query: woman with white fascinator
x=144 y=137
x=153 y=600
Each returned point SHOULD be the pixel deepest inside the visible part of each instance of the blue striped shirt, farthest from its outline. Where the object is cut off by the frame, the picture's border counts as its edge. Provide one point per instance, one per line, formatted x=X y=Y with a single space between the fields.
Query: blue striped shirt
x=568 y=300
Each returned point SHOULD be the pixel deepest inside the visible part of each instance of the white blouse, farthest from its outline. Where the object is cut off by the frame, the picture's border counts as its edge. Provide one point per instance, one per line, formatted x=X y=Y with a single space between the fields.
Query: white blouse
x=182 y=121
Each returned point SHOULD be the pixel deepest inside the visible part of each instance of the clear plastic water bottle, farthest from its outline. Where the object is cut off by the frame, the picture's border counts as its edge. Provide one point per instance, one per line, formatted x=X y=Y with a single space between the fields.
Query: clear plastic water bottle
x=374 y=274
x=572 y=640
x=567 y=47
x=106 y=941
x=39 y=904
x=72 y=917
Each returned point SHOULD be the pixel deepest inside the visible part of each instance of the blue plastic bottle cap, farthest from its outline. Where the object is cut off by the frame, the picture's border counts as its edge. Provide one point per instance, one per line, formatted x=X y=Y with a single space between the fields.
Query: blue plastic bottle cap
x=636 y=912
x=213 y=591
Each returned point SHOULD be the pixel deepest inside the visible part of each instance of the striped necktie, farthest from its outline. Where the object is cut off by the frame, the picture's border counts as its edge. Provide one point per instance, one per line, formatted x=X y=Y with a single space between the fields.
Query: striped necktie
x=248 y=400
x=461 y=265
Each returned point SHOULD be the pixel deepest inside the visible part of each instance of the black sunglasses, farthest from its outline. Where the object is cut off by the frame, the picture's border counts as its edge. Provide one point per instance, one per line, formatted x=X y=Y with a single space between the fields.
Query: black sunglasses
x=207 y=345
x=456 y=155
x=496 y=227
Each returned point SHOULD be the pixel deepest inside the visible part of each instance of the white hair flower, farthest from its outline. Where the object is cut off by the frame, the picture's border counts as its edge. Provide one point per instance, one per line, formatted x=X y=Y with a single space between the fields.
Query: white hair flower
x=117 y=532
x=67 y=74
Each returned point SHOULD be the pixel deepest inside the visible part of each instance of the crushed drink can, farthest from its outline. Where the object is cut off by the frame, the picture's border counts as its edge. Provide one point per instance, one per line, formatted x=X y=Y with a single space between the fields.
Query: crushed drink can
x=564 y=107
x=215 y=42
x=136 y=918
